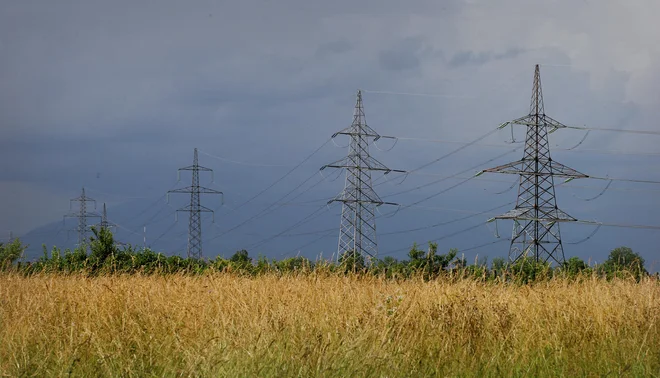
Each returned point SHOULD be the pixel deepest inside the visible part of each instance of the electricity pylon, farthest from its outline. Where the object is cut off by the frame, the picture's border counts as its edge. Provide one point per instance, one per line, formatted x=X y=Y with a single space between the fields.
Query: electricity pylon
x=195 y=208
x=104 y=220
x=536 y=216
x=357 y=230
x=82 y=216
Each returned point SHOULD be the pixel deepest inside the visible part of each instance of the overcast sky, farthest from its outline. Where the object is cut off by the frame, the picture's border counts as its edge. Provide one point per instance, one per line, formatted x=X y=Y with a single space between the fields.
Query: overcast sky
x=114 y=95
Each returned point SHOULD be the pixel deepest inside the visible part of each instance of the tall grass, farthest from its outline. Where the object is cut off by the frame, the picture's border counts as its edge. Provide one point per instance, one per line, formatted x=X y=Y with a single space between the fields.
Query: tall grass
x=325 y=325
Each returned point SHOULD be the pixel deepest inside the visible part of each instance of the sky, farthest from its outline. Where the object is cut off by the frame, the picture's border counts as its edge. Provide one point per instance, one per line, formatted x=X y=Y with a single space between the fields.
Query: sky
x=114 y=97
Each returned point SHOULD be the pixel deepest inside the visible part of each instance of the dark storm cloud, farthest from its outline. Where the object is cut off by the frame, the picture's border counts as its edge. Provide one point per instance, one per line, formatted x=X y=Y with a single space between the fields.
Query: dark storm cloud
x=333 y=47
x=403 y=56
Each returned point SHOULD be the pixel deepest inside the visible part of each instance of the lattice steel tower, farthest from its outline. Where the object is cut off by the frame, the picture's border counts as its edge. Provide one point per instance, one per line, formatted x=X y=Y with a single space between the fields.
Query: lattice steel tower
x=195 y=208
x=104 y=220
x=536 y=216
x=82 y=216
x=357 y=230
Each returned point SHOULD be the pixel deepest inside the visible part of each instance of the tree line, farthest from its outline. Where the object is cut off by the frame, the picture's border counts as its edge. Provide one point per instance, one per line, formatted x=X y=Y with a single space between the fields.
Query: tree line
x=106 y=257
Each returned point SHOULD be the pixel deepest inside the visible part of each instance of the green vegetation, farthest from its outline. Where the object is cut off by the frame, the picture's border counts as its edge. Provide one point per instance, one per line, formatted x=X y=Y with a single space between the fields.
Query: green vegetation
x=105 y=257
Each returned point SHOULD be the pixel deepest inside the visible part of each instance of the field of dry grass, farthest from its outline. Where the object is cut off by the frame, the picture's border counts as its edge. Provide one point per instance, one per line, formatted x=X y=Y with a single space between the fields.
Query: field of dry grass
x=225 y=325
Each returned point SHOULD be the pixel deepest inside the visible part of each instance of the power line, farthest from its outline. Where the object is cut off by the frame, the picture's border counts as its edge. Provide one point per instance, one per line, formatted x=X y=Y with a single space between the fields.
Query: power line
x=620 y=225
x=437 y=193
x=622 y=179
x=609 y=152
x=117 y=196
x=503 y=85
x=563 y=184
x=456 y=150
x=645 y=132
x=482 y=245
x=163 y=234
x=151 y=220
x=242 y=162
x=571 y=149
x=447 y=222
x=417 y=94
x=151 y=205
x=281 y=178
x=588 y=237
x=602 y=192
x=316 y=213
x=452 y=176
x=437 y=239
x=268 y=208
x=327 y=234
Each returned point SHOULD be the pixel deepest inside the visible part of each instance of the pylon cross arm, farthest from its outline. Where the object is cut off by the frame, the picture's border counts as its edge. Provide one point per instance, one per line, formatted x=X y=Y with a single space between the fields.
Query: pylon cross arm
x=546 y=215
x=357 y=129
x=187 y=189
x=367 y=163
x=561 y=170
x=195 y=168
x=519 y=168
x=554 y=124
x=200 y=208
x=204 y=190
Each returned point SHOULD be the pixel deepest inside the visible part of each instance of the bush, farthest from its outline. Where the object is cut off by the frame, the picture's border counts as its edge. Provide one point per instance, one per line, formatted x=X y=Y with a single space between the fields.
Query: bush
x=621 y=262
x=10 y=253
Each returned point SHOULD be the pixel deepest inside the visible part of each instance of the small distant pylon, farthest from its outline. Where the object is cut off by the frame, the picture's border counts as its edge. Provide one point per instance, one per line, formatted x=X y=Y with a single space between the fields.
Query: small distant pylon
x=82 y=216
x=357 y=230
x=195 y=208
x=104 y=220
x=536 y=216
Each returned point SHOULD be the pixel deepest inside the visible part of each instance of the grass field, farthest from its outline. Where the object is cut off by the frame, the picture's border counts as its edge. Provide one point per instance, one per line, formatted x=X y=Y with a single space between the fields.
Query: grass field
x=226 y=325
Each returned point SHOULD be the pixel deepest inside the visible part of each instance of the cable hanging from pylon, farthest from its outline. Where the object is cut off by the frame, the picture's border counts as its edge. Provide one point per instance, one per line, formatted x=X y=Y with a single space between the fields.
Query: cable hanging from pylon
x=507 y=189
x=496 y=233
x=588 y=237
x=396 y=140
x=580 y=142
x=391 y=214
x=602 y=192
x=357 y=230
x=513 y=138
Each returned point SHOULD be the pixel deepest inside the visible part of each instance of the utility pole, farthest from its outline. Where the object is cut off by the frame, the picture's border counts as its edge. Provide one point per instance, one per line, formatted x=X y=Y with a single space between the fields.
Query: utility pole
x=357 y=230
x=195 y=208
x=82 y=216
x=536 y=216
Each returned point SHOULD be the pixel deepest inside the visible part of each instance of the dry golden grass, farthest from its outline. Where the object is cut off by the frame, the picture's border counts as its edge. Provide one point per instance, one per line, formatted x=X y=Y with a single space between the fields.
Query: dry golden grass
x=225 y=325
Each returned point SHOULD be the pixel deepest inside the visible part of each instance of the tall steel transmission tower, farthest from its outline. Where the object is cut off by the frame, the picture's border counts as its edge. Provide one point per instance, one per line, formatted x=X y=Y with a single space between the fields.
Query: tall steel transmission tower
x=195 y=208
x=82 y=216
x=536 y=216
x=357 y=230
